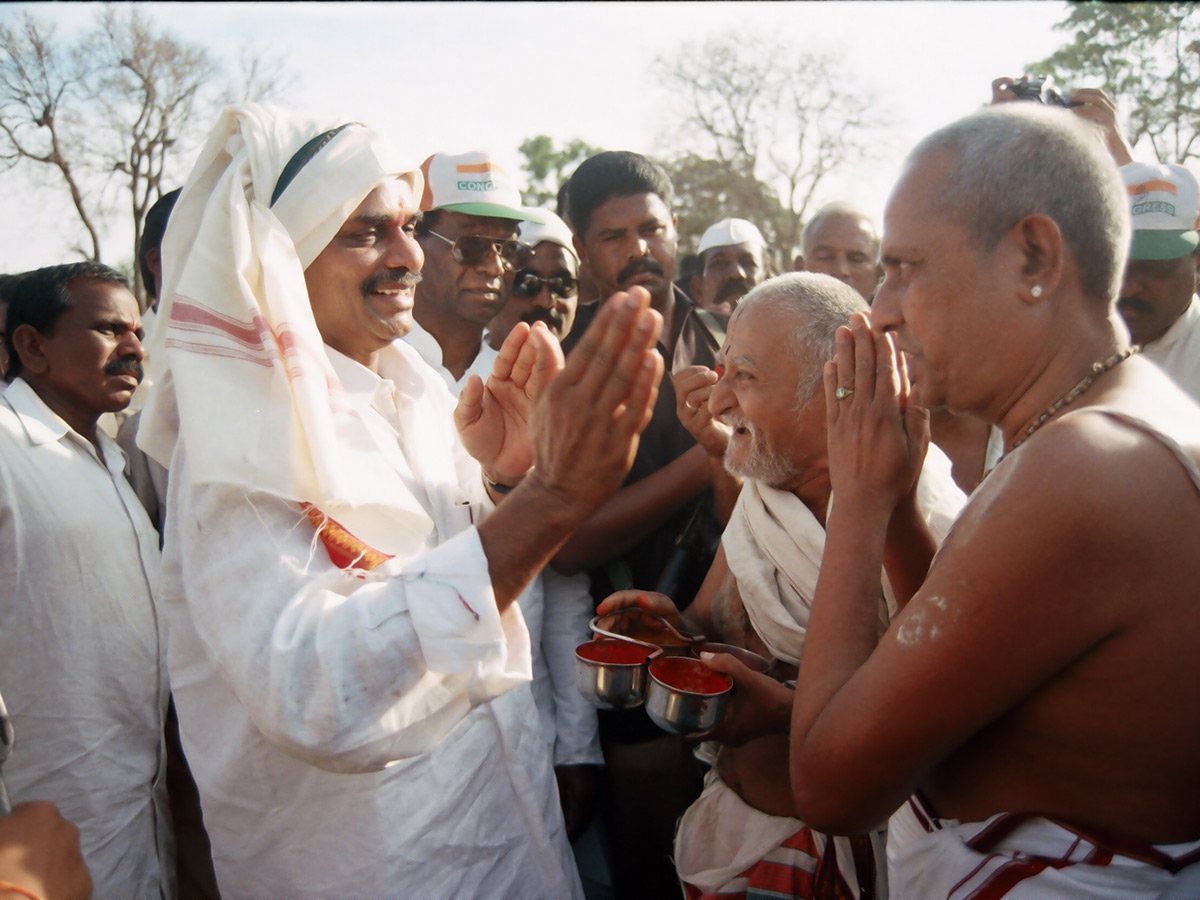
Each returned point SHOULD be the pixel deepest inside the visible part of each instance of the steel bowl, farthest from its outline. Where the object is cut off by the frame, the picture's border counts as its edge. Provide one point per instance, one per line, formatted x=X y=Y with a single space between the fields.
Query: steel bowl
x=611 y=673
x=747 y=658
x=684 y=696
x=633 y=623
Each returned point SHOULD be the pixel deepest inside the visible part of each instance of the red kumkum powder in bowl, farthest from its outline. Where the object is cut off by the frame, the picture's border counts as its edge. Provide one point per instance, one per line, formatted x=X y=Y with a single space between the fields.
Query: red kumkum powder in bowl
x=690 y=675
x=613 y=651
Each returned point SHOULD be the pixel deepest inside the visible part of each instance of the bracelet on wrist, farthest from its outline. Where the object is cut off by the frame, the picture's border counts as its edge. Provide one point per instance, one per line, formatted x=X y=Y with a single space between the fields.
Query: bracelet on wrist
x=496 y=487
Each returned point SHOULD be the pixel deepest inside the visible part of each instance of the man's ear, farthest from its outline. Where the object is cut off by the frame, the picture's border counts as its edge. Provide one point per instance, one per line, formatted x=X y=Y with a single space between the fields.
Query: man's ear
x=1040 y=250
x=694 y=286
x=580 y=250
x=30 y=346
x=798 y=263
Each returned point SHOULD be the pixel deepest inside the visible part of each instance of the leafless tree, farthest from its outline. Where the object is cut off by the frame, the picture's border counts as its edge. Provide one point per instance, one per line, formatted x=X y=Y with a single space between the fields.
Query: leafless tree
x=778 y=120
x=42 y=89
x=112 y=112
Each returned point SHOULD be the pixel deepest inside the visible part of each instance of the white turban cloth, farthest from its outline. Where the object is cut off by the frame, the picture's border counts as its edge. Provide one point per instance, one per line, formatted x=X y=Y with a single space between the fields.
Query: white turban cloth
x=774 y=545
x=242 y=376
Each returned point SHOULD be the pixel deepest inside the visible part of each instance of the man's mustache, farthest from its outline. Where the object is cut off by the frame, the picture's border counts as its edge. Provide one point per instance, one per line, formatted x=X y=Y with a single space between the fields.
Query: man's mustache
x=639 y=265
x=403 y=278
x=126 y=365
x=733 y=289
x=540 y=314
x=1136 y=304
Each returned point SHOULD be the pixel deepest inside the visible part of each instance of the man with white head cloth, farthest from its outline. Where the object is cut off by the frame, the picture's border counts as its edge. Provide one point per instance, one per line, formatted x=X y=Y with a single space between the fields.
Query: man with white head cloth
x=350 y=670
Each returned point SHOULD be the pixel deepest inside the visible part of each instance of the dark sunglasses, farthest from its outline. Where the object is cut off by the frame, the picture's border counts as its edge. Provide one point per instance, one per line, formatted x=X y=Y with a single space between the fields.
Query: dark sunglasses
x=473 y=249
x=530 y=284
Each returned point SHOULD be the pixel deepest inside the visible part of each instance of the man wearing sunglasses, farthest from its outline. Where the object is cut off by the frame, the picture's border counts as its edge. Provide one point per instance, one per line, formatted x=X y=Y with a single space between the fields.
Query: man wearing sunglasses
x=468 y=234
x=546 y=288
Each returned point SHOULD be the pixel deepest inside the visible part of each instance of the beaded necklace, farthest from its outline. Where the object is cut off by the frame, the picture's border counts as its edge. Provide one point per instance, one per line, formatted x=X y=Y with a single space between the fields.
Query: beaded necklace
x=1098 y=369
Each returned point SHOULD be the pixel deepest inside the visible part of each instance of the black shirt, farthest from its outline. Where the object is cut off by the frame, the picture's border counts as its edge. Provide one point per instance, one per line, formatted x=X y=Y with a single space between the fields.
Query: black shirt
x=664 y=440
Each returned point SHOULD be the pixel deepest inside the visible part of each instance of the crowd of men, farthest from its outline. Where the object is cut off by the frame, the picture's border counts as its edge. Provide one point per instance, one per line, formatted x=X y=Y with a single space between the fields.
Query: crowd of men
x=296 y=560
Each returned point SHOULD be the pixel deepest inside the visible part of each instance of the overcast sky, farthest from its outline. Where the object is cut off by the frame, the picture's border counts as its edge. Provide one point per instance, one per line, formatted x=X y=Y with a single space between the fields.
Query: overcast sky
x=460 y=76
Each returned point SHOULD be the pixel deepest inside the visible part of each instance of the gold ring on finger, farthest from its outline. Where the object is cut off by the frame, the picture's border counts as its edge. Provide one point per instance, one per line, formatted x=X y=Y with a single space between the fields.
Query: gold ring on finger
x=843 y=393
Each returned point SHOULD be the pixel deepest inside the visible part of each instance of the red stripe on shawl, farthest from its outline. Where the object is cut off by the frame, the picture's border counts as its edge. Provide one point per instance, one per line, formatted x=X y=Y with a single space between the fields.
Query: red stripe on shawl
x=223 y=352
x=188 y=312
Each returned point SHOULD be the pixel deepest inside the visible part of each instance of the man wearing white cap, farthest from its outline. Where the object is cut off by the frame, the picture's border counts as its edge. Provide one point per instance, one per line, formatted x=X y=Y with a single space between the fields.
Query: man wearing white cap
x=468 y=235
x=546 y=287
x=1158 y=297
x=337 y=588
x=731 y=263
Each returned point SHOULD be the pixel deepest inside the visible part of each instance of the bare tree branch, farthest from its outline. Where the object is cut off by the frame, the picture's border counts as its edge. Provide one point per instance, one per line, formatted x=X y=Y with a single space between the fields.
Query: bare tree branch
x=776 y=122
x=116 y=110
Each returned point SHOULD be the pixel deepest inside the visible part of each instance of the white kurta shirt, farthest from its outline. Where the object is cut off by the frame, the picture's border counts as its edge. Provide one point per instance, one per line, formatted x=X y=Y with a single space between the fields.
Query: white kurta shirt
x=431 y=351
x=557 y=609
x=1177 y=352
x=79 y=644
x=359 y=733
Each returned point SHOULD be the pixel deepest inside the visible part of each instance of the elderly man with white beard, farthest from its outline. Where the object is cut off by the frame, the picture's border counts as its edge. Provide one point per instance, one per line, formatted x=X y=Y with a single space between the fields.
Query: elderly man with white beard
x=763 y=411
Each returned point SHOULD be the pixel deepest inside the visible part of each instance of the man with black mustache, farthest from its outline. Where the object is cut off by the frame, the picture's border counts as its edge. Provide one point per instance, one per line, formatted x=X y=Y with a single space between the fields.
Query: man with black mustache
x=1158 y=296
x=661 y=528
x=546 y=288
x=731 y=264
x=80 y=653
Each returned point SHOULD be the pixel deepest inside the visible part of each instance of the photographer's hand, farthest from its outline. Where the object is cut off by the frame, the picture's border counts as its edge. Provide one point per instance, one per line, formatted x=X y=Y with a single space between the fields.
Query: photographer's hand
x=1002 y=91
x=1098 y=108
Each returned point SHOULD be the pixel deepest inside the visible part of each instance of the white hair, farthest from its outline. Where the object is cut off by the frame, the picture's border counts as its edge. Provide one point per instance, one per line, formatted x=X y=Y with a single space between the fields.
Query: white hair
x=816 y=305
x=1020 y=159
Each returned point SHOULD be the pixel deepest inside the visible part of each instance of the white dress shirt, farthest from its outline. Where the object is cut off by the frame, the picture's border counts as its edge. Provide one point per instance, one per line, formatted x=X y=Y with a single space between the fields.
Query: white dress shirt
x=1177 y=352
x=431 y=351
x=557 y=609
x=360 y=733
x=80 y=655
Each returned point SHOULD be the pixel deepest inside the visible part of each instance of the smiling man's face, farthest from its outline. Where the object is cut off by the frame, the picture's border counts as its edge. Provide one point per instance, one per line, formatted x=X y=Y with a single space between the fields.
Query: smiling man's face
x=361 y=285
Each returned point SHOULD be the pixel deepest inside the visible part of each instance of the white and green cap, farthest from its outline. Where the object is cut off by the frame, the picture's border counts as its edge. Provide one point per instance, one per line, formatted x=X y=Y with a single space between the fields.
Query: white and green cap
x=553 y=229
x=1165 y=207
x=472 y=183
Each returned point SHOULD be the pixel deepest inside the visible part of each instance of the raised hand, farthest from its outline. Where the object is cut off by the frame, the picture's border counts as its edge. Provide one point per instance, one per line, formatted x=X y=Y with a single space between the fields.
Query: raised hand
x=587 y=421
x=692 y=388
x=1095 y=106
x=877 y=438
x=1002 y=91
x=493 y=417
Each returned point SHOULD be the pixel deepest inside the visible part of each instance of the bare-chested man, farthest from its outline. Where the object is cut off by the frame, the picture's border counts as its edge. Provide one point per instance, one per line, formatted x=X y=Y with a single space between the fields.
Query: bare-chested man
x=1039 y=697
x=765 y=416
